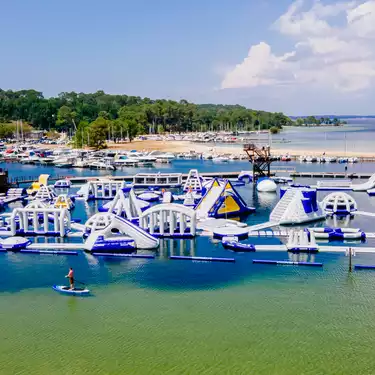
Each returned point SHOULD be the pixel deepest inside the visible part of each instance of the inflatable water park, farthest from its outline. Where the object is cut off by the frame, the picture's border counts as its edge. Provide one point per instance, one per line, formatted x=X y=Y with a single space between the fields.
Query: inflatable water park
x=132 y=219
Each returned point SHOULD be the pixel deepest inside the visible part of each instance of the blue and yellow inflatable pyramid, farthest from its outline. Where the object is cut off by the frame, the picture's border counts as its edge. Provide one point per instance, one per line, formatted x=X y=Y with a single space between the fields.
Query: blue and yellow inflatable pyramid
x=228 y=203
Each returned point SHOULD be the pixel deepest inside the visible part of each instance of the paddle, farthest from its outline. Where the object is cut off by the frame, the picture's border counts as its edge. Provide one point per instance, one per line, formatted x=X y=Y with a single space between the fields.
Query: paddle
x=77 y=281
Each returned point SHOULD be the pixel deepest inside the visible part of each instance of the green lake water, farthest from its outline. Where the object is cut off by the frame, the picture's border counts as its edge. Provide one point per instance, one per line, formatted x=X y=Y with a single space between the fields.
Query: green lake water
x=281 y=321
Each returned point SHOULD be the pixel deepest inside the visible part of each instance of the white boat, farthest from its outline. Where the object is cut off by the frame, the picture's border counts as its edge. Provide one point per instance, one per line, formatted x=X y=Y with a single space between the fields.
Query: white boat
x=221 y=159
x=64 y=165
x=101 y=165
x=46 y=160
x=163 y=161
x=63 y=161
x=145 y=160
x=234 y=157
x=80 y=164
x=191 y=155
x=325 y=159
x=130 y=162
x=125 y=161
x=162 y=155
x=207 y=156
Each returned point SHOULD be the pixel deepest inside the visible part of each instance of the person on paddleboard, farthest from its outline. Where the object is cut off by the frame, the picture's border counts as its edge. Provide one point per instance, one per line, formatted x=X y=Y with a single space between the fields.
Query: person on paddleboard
x=70 y=276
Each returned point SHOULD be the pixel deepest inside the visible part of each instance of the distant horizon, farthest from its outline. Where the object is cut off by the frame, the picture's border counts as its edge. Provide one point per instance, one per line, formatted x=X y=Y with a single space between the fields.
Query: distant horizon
x=333 y=116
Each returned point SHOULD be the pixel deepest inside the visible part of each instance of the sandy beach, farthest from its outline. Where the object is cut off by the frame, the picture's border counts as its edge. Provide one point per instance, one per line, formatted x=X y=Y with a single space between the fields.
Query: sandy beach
x=185 y=146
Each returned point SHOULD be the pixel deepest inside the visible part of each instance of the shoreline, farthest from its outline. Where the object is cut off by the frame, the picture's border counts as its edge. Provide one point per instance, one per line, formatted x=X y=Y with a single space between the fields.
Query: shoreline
x=187 y=146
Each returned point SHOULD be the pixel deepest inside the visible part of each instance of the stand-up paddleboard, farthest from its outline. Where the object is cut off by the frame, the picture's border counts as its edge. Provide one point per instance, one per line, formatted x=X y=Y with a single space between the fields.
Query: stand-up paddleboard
x=75 y=292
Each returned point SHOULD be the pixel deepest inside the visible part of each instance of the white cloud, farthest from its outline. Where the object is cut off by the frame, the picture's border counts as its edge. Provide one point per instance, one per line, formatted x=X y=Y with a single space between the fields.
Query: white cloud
x=260 y=67
x=333 y=49
x=361 y=20
x=295 y=22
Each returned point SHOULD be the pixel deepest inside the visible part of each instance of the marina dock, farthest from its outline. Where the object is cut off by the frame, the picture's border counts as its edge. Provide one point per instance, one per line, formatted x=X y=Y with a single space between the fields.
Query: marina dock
x=230 y=174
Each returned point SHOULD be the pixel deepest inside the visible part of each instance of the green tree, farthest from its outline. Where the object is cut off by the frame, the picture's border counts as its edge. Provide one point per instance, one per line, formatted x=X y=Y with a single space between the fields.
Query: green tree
x=311 y=120
x=300 y=122
x=82 y=134
x=336 y=121
x=98 y=131
x=66 y=118
x=68 y=109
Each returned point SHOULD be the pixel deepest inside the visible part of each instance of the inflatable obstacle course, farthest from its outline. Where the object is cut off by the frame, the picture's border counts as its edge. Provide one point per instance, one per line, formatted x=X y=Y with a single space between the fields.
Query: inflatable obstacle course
x=221 y=201
x=296 y=206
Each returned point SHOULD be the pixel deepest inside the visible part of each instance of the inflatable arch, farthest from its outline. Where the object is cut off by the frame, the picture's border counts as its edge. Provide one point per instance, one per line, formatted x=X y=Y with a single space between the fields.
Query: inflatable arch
x=34 y=221
x=169 y=220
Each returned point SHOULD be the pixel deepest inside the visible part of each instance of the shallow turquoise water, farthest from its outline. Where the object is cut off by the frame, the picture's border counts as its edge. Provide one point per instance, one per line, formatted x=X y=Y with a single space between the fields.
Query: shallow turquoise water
x=173 y=317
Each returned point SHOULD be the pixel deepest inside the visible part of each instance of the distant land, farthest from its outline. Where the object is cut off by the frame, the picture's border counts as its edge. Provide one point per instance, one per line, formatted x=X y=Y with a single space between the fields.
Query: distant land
x=337 y=116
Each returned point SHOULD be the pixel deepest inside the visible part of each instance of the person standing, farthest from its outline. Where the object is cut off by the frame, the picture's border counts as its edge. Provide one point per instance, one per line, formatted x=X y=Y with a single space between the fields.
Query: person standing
x=70 y=276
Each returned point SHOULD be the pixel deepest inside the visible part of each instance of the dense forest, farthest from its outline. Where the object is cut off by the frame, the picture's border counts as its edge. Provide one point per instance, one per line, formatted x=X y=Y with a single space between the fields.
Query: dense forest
x=95 y=117
x=314 y=121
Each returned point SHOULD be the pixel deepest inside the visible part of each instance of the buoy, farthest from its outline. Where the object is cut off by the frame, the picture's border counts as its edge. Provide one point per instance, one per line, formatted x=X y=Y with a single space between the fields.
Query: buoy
x=266 y=185
x=119 y=255
x=203 y=259
x=51 y=252
x=287 y=263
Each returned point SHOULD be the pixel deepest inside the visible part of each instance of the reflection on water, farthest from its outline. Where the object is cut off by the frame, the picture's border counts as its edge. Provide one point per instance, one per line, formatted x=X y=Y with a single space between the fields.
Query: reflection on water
x=169 y=247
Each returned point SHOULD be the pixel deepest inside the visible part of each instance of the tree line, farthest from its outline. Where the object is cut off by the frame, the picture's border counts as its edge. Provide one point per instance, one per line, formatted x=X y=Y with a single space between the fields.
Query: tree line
x=314 y=121
x=98 y=116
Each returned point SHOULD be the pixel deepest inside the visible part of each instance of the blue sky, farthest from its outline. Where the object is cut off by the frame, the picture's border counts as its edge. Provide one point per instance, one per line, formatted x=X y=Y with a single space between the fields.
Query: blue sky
x=277 y=55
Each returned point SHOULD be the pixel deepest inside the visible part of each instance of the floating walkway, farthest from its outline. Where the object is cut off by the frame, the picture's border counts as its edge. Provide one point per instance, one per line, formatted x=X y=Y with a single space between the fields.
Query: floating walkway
x=343 y=249
x=257 y=227
x=202 y=259
x=364 y=213
x=287 y=263
x=282 y=233
x=49 y=252
x=331 y=175
x=268 y=233
x=364 y=267
x=120 y=255
x=290 y=172
x=59 y=246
